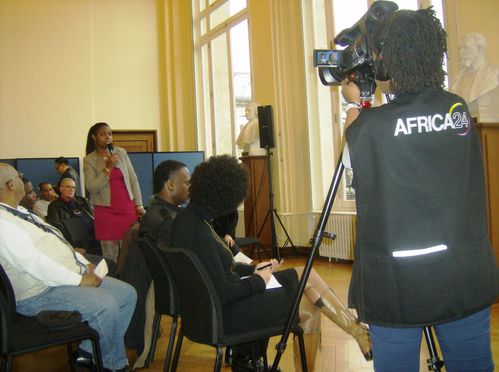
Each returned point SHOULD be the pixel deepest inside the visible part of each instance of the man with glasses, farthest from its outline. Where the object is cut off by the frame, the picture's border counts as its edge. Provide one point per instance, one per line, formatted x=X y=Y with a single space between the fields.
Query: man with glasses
x=72 y=214
x=47 y=274
x=61 y=165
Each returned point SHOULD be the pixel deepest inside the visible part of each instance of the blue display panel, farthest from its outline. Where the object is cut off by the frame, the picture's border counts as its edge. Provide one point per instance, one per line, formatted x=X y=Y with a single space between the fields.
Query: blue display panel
x=144 y=166
x=39 y=170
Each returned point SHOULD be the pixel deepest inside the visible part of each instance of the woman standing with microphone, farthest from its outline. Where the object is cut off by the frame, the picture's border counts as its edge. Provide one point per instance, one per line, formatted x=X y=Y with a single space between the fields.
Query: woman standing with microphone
x=113 y=186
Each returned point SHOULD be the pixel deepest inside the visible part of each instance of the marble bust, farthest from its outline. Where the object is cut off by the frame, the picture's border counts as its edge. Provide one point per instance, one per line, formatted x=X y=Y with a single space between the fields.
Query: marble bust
x=476 y=77
x=249 y=137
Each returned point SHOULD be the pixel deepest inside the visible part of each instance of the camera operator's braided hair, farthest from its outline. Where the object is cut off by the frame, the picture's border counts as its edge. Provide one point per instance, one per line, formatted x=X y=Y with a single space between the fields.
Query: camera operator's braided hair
x=414 y=50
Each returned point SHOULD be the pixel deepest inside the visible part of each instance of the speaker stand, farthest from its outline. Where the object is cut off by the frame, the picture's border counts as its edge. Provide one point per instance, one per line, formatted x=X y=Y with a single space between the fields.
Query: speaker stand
x=272 y=214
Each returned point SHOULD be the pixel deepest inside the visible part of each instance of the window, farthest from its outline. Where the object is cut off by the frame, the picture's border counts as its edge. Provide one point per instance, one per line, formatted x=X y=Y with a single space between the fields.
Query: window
x=323 y=19
x=223 y=72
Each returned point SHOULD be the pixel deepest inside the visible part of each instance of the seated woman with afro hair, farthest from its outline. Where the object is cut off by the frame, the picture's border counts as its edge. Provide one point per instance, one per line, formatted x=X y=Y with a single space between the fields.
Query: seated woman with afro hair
x=218 y=186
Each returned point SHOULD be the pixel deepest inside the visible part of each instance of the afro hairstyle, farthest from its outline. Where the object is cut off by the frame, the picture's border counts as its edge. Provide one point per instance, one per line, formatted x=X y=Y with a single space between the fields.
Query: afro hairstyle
x=219 y=184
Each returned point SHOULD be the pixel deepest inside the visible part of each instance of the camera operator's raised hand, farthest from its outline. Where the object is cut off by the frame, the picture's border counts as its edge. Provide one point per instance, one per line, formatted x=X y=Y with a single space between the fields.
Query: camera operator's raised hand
x=351 y=94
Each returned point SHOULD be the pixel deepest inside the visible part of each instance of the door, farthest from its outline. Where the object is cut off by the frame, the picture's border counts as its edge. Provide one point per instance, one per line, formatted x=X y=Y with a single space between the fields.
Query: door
x=136 y=140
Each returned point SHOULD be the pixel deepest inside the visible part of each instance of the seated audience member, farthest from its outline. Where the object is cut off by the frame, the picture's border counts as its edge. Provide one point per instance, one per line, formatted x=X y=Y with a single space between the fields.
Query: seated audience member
x=171 y=185
x=246 y=303
x=69 y=206
x=29 y=199
x=171 y=190
x=61 y=165
x=225 y=227
x=47 y=274
x=47 y=194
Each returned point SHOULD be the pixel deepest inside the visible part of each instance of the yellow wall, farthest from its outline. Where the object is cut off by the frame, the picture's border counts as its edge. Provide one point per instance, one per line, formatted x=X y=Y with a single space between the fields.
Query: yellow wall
x=65 y=65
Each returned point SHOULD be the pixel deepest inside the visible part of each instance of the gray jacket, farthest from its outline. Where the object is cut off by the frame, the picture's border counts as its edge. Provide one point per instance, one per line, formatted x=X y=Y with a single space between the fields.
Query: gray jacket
x=97 y=181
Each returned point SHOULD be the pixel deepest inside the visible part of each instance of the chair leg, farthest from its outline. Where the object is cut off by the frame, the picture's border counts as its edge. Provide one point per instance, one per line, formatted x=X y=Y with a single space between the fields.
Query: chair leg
x=177 y=350
x=97 y=355
x=303 y=355
x=171 y=342
x=263 y=346
x=218 y=360
x=7 y=363
x=154 y=339
x=69 y=347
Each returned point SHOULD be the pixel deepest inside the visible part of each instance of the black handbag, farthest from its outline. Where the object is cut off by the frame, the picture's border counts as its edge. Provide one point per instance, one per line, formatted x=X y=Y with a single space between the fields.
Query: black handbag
x=58 y=319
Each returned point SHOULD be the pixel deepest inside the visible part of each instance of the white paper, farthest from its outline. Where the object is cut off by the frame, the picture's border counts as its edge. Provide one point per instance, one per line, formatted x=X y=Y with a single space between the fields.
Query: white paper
x=241 y=257
x=273 y=283
x=101 y=269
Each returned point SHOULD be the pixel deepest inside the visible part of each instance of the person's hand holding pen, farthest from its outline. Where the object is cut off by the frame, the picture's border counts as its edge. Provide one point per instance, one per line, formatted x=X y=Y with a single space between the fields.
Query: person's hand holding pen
x=265 y=269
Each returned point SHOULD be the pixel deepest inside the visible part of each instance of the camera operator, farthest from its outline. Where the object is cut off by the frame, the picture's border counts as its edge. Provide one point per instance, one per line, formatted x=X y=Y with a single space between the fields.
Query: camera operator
x=422 y=253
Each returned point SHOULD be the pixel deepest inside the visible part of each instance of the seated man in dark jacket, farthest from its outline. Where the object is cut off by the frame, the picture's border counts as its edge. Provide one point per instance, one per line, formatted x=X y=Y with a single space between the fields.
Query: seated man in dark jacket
x=171 y=190
x=171 y=187
x=74 y=216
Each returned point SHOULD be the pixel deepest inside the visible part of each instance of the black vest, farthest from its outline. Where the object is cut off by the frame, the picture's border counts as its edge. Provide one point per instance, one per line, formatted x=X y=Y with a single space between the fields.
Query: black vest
x=419 y=182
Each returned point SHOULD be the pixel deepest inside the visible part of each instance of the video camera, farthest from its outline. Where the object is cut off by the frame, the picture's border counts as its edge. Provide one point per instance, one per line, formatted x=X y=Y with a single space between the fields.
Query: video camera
x=356 y=60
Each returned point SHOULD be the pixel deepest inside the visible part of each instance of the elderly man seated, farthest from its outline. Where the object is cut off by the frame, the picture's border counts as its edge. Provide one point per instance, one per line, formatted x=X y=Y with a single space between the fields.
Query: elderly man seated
x=47 y=274
x=74 y=216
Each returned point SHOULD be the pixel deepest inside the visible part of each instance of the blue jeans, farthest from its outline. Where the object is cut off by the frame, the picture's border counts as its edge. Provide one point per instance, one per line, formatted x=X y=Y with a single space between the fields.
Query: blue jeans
x=465 y=345
x=108 y=309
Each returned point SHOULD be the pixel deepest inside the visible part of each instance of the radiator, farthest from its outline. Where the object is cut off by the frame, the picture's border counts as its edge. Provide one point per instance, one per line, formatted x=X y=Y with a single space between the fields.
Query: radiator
x=343 y=225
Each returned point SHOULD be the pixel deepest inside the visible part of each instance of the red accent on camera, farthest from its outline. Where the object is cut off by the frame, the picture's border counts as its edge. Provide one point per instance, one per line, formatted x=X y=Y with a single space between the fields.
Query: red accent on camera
x=365 y=104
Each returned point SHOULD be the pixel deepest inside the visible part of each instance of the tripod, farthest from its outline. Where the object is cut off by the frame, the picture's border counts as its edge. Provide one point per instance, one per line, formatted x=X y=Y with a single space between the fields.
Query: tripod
x=272 y=213
x=434 y=363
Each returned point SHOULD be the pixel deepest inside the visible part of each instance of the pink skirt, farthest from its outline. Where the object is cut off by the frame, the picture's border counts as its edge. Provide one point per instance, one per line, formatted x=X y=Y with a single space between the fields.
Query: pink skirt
x=112 y=222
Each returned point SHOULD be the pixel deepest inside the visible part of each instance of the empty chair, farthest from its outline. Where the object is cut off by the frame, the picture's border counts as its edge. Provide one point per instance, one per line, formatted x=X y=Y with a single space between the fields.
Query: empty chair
x=23 y=334
x=201 y=310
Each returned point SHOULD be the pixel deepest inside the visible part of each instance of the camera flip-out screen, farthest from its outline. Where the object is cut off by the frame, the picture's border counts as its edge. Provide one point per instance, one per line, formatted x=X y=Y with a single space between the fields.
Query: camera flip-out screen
x=326 y=58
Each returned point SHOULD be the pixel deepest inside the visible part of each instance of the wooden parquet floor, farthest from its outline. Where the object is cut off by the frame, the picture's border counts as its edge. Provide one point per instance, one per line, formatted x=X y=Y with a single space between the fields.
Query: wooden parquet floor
x=339 y=351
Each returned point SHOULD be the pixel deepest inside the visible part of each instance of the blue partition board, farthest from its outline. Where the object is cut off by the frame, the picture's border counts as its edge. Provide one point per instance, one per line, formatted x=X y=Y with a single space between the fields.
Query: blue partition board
x=9 y=161
x=39 y=170
x=145 y=163
x=189 y=158
x=142 y=164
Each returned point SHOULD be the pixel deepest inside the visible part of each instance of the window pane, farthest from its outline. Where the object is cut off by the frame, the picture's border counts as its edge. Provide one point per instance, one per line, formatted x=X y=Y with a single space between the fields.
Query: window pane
x=205 y=81
x=203 y=26
x=241 y=72
x=202 y=5
x=225 y=11
x=346 y=14
x=221 y=96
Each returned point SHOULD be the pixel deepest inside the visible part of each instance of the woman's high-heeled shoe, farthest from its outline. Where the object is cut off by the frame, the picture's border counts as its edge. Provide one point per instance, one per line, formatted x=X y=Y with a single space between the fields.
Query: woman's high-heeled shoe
x=331 y=306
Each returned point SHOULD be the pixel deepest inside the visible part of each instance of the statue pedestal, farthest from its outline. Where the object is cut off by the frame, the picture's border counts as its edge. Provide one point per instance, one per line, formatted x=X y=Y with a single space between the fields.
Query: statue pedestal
x=257 y=204
x=486 y=108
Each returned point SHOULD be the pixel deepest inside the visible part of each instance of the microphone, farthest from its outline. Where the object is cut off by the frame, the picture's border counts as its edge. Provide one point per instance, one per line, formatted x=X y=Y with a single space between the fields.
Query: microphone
x=110 y=147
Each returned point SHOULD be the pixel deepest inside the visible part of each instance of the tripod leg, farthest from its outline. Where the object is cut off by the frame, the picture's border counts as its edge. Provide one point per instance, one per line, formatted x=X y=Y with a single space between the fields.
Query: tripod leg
x=434 y=362
x=285 y=232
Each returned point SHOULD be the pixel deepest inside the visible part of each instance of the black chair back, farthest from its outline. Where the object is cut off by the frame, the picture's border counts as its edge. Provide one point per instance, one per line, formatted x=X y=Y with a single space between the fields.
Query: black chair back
x=165 y=289
x=8 y=294
x=201 y=308
x=7 y=310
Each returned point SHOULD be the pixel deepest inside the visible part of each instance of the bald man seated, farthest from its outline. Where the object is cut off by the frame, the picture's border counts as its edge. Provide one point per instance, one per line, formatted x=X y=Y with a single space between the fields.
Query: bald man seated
x=47 y=274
